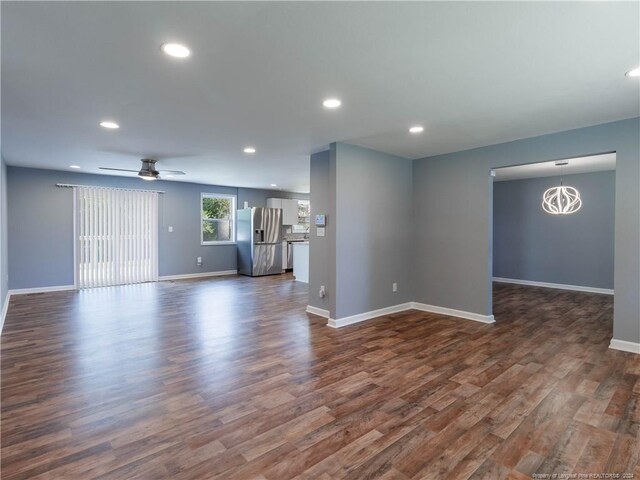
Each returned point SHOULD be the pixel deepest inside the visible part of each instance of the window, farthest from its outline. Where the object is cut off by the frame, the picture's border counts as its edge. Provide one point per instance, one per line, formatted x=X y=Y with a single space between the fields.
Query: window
x=218 y=214
x=304 y=214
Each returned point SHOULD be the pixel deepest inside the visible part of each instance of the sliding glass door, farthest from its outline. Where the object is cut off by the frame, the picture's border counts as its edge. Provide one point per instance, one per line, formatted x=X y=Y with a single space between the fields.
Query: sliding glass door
x=116 y=234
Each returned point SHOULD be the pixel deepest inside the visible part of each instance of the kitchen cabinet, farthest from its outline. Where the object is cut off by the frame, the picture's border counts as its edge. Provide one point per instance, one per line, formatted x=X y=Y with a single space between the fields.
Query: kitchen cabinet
x=289 y=209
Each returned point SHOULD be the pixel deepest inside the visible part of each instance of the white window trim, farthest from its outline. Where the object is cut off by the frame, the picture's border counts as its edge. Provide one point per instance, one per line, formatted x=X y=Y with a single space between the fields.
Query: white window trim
x=234 y=215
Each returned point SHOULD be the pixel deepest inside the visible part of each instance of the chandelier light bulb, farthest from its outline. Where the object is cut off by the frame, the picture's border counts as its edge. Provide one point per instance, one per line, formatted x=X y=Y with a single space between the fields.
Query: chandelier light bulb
x=561 y=200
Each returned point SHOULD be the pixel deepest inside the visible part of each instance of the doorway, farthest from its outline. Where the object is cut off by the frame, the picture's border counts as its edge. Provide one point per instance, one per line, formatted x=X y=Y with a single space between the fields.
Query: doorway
x=553 y=224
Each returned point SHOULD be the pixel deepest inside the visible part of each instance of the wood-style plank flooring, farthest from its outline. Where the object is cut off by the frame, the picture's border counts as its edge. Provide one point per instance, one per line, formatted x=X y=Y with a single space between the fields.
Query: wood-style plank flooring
x=229 y=378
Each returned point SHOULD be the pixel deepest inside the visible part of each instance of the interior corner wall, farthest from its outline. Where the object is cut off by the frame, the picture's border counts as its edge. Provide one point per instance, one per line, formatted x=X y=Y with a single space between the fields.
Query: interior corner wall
x=40 y=225
x=452 y=195
x=4 y=255
x=373 y=229
x=531 y=245
x=322 y=265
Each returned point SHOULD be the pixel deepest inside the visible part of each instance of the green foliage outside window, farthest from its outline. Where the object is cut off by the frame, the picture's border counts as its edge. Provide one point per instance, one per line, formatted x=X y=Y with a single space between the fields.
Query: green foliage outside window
x=217 y=219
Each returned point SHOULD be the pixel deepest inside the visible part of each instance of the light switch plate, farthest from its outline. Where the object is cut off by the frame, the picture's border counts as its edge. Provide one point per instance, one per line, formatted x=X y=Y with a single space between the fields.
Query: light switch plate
x=320 y=231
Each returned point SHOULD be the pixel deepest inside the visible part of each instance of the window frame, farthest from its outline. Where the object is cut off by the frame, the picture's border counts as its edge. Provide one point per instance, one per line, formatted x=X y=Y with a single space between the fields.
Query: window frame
x=234 y=215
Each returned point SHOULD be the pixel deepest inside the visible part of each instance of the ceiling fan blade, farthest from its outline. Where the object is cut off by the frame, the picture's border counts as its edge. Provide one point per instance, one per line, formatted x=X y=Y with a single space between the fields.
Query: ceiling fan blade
x=172 y=172
x=117 y=169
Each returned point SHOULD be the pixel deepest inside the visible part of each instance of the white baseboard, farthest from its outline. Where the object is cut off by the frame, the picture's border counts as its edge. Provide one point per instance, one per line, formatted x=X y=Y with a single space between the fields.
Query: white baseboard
x=26 y=291
x=5 y=308
x=56 y=288
x=198 y=275
x=453 y=313
x=624 y=346
x=321 y=312
x=559 y=286
x=361 y=317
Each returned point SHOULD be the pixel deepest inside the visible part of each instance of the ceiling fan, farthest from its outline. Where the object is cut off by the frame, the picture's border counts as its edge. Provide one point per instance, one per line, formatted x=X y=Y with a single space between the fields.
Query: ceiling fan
x=148 y=170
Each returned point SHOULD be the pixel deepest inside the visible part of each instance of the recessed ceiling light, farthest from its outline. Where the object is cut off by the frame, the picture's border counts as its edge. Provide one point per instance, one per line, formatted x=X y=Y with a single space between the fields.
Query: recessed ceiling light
x=74 y=166
x=416 y=129
x=249 y=150
x=109 y=124
x=634 y=73
x=274 y=185
x=331 y=103
x=176 y=50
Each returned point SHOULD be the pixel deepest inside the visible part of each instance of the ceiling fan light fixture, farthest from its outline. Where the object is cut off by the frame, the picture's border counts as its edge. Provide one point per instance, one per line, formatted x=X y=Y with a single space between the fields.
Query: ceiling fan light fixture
x=148 y=170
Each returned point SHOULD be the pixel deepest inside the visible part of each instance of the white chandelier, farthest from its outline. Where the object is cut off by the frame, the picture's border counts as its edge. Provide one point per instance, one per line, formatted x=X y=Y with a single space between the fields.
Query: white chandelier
x=561 y=200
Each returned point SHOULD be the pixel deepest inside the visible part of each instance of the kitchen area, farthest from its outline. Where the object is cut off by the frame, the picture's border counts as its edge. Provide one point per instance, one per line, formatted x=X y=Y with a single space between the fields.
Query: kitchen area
x=275 y=239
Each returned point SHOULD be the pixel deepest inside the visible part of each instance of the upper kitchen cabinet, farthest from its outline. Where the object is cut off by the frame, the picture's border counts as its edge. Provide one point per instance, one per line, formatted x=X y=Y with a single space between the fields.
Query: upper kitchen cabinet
x=289 y=209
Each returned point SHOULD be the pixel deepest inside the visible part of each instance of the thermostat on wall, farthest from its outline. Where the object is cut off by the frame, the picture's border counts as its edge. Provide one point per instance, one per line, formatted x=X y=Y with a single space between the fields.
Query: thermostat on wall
x=320 y=220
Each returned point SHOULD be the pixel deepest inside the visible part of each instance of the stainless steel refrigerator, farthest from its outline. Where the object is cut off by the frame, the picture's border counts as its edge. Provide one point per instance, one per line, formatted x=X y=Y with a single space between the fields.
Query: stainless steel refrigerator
x=259 y=240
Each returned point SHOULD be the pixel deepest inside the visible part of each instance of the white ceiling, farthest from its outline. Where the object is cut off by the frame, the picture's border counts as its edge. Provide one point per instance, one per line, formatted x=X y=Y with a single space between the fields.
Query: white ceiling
x=592 y=163
x=472 y=73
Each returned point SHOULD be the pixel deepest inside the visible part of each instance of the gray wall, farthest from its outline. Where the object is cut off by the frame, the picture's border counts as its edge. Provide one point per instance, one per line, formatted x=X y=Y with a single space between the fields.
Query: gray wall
x=4 y=256
x=453 y=222
x=366 y=196
x=576 y=249
x=40 y=225
x=322 y=265
x=373 y=229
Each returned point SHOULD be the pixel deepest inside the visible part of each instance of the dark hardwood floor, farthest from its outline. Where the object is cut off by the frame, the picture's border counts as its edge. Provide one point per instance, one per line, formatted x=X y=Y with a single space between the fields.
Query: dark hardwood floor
x=229 y=378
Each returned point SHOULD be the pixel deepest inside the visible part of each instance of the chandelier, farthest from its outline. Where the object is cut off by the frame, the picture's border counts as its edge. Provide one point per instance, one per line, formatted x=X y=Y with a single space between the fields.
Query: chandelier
x=561 y=200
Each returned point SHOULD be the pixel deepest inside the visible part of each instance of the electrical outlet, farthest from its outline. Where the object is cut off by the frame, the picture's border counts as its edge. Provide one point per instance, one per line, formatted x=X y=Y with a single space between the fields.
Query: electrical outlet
x=199 y=261
x=394 y=287
x=322 y=292
x=170 y=229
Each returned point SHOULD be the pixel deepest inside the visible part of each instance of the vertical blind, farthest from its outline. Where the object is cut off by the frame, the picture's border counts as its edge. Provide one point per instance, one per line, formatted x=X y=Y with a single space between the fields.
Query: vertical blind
x=116 y=235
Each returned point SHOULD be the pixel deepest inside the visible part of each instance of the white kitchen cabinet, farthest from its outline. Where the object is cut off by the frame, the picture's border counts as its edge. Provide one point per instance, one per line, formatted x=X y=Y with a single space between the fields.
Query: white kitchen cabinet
x=289 y=212
x=289 y=209
x=274 y=203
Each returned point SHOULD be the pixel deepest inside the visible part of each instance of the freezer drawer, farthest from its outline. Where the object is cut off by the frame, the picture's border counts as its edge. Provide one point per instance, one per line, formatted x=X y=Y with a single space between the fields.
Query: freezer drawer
x=267 y=259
